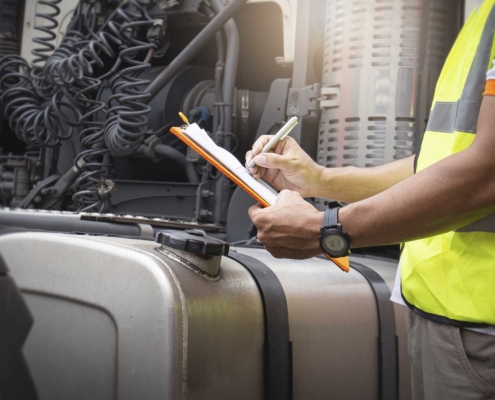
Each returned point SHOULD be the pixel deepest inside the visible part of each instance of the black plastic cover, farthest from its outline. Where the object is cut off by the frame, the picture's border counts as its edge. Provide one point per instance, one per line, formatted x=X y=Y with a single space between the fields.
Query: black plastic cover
x=3 y=266
x=193 y=241
x=15 y=324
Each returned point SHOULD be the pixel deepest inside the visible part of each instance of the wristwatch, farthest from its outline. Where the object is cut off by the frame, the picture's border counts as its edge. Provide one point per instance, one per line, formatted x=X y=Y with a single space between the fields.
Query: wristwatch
x=334 y=240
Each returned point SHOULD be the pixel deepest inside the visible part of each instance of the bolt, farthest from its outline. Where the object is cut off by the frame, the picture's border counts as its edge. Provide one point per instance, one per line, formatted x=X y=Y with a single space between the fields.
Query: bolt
x=205 y=213
x=37 y=199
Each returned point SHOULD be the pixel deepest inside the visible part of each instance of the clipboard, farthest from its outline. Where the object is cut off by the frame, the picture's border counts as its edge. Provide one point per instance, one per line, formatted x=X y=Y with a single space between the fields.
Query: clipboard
x=342 y=263
x=177 y=131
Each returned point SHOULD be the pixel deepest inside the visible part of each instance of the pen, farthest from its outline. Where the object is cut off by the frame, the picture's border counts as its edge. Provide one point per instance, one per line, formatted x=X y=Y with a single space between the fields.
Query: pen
x=183 y=118
x=280 y=135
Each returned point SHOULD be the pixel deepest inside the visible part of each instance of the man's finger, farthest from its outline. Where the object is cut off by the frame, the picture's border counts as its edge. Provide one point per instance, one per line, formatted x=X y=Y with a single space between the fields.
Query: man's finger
x=283 y=195
x=280 y=196
x=288 y=195
x=254 y=210
x=260 y=143
x=249 y=157
x=258 y=172
x=272 y=160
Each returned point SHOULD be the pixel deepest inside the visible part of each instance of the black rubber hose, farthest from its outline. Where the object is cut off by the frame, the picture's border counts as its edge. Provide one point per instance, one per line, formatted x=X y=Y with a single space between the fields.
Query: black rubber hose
x=194 y=47
x=175 y=155
x=67 y=223
x=218 y=115
x=179 y=158
x=230 y=72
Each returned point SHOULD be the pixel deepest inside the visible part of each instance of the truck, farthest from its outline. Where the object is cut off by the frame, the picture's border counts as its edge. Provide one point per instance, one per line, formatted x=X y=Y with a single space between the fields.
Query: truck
x=129 y=267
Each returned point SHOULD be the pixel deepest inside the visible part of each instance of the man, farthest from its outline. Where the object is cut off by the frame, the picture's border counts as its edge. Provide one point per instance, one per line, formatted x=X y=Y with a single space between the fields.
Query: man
x=440 y=204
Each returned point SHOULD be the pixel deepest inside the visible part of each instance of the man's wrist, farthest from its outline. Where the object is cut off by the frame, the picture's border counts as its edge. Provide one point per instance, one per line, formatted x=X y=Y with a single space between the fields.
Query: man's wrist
x=331 y=182
x=350 y=217
x=316 y=224
x=321 y=188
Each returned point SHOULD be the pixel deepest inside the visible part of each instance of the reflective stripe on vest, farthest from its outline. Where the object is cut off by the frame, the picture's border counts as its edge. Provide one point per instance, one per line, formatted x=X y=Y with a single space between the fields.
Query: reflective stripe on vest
x=451 y=277
x=462 y=115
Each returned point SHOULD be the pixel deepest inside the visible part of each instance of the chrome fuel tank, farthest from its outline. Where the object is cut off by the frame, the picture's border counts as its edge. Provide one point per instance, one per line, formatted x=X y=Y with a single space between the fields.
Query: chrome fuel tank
x=121 y=318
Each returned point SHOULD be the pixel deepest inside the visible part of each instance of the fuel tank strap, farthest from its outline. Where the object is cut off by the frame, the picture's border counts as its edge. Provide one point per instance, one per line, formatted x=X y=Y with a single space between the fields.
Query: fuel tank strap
x=278 y=347
x=387 y=336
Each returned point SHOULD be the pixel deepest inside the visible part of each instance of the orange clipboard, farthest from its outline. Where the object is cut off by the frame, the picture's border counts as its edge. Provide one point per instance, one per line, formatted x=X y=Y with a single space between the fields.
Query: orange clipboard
x=342 y=263
x=218 y=165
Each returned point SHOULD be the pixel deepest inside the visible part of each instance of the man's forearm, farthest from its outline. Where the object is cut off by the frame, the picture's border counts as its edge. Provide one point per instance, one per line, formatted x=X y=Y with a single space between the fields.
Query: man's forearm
x=352 y=184
x=446 y=196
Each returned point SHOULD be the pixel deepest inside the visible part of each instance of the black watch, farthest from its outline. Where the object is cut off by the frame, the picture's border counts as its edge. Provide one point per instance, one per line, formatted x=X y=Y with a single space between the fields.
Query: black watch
x=334 y=241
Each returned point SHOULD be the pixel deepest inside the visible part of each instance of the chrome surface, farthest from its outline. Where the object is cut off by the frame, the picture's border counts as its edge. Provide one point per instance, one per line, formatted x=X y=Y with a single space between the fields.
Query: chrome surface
x=382 y=59
x=117 y=319
x=334 y=327
x=101 y=312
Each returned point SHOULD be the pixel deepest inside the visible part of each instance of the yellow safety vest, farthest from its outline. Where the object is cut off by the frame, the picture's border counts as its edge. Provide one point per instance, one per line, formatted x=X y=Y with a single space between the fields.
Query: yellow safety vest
x=451 y=277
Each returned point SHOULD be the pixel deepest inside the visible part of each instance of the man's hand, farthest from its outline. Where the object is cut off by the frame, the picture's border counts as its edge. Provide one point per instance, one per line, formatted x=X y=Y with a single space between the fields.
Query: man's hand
x=290 y=228
x=288 y=167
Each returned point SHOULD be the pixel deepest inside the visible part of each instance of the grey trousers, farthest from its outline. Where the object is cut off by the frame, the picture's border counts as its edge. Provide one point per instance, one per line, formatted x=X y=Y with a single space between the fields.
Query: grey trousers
x=449 y=363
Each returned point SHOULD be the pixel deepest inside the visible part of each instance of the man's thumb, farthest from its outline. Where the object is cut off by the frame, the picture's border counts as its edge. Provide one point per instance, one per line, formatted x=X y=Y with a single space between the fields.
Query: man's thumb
x=272 y=160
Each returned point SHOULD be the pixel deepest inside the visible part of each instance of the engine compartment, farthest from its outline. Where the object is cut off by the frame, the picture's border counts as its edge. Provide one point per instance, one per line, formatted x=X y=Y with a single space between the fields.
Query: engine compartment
x=108 y=55
x=86 y=110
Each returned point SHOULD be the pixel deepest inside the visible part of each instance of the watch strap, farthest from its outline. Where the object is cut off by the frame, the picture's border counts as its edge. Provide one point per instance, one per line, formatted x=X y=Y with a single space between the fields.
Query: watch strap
x=334 y=216
x=326 y=218
x=331 y=217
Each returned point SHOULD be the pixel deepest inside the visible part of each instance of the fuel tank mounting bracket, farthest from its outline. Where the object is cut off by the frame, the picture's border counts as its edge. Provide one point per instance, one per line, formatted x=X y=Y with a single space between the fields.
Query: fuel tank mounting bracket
x=189 y=265
x=194 y=250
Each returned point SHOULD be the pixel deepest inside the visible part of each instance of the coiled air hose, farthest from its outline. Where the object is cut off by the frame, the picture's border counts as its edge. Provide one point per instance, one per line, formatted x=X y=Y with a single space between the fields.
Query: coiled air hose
x=127 y=122
x=41 y=54
x=39 y=114
x=34 y=123
x=100 y=139
x=43 y=104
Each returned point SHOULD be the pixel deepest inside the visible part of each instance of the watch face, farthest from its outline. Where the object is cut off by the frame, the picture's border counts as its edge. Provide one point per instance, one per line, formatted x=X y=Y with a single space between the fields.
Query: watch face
x=334 y=243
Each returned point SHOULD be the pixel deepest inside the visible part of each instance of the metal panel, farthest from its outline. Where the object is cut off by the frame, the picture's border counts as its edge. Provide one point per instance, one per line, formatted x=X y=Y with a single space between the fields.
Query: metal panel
x=165 y=200
x=156 y=329
x=51 y=351
x=224 y=338
x=288 y=9
x=334 y=328
x=152 y=328
x=384 y=58
x=127 y=315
